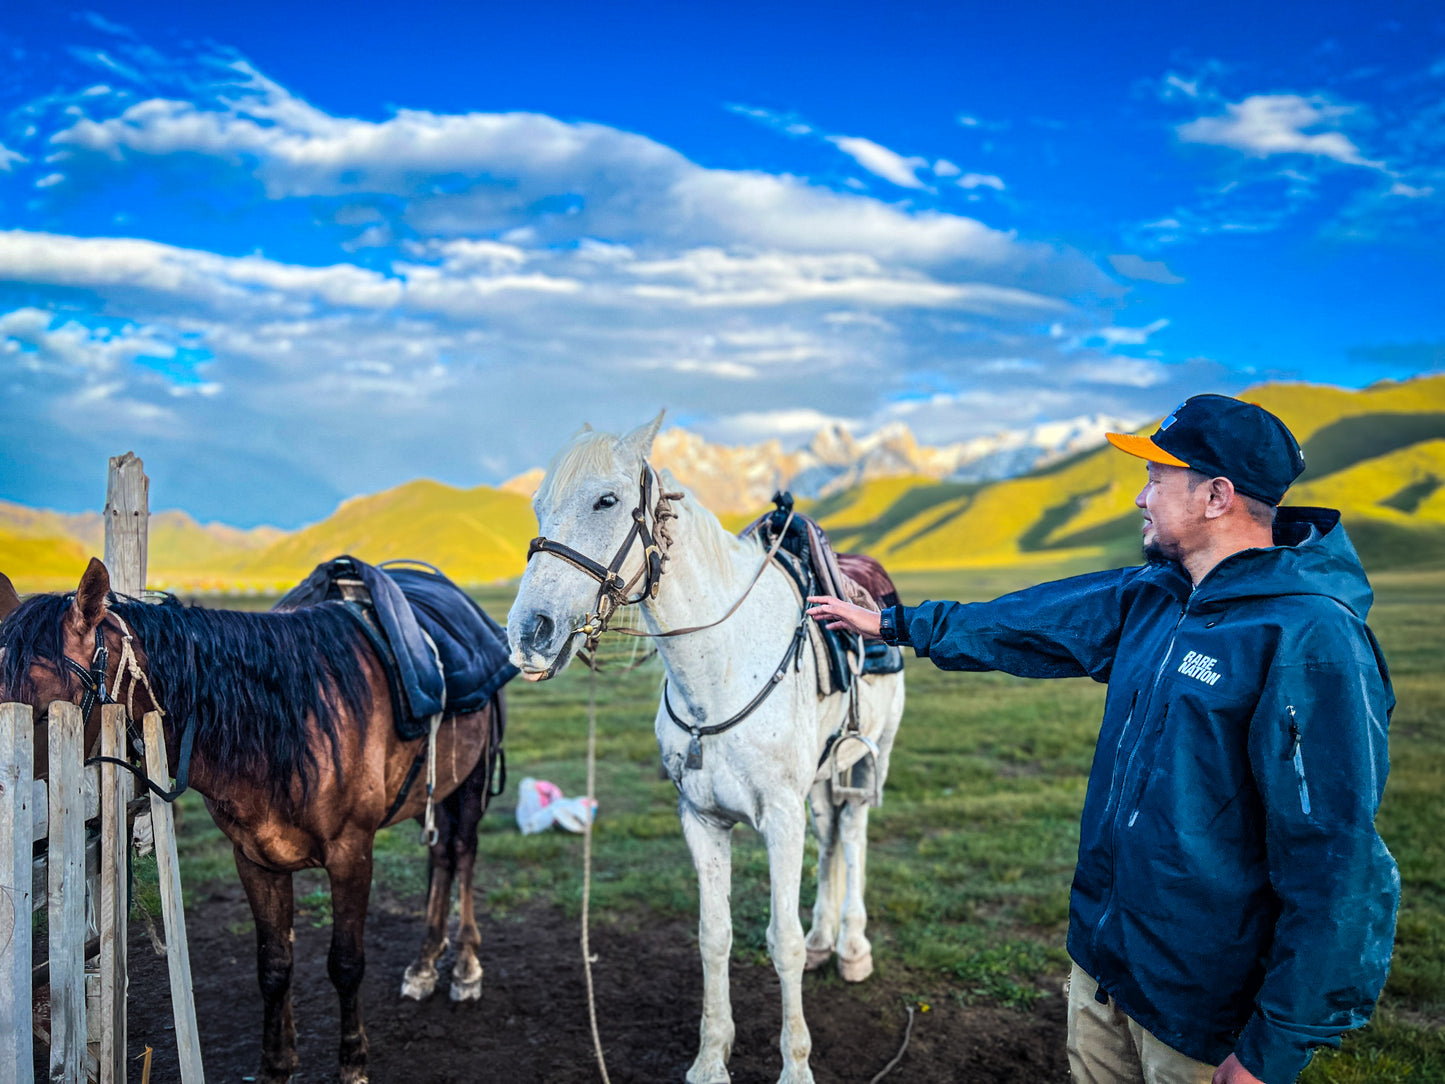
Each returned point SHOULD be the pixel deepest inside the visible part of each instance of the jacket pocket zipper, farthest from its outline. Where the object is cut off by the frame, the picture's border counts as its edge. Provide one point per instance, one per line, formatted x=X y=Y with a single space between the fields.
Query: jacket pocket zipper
x=1299 y=762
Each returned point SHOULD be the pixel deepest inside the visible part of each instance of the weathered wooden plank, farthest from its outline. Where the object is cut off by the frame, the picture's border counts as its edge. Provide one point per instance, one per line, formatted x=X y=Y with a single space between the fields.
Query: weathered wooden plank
x=17 y=765
x=127 y=511
x=40 y=875
x=40 y=804
x=115 y=791
x=66 y=931
x=178 y=959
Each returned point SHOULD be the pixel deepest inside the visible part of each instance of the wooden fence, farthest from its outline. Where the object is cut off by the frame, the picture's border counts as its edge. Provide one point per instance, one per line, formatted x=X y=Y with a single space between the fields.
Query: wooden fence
x=75 y=1000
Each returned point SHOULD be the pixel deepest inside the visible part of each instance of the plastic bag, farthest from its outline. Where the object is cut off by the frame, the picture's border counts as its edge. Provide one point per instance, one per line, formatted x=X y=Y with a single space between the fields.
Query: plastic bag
x=541 y=804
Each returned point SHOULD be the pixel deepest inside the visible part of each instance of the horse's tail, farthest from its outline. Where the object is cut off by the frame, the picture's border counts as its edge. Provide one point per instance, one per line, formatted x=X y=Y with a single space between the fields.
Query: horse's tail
x=868 y=573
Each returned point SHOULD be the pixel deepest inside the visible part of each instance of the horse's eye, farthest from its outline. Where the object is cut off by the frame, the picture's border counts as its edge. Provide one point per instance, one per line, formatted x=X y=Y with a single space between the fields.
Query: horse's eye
x=607 y=500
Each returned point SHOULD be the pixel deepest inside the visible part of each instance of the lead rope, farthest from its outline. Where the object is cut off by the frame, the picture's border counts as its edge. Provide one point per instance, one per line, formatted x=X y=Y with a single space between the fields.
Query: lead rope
x=587 y=862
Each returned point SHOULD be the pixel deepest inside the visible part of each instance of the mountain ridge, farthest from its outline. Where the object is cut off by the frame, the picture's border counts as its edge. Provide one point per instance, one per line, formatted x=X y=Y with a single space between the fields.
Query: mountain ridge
x=1380 y=455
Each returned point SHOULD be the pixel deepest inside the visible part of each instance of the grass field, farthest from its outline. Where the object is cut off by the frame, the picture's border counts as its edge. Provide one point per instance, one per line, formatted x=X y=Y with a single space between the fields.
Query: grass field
x=973 y=849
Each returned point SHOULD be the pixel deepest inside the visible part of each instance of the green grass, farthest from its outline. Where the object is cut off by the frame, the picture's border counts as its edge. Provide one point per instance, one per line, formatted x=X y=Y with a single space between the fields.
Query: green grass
x=973 y=850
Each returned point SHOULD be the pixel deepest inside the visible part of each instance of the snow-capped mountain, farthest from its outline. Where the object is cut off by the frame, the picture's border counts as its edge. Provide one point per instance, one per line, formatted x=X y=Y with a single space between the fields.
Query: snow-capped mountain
x=742 y=478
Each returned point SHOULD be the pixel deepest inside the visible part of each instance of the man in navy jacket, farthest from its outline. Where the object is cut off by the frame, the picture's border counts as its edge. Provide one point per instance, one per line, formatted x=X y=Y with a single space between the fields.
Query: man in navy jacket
x=1233 y=906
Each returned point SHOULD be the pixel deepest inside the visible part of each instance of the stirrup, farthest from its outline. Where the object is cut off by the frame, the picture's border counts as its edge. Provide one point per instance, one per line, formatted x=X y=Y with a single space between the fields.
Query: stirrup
x=854 y=786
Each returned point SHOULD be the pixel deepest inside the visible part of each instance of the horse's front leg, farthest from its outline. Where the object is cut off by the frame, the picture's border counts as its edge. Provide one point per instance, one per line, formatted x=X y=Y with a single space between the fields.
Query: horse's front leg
x=828 y=906
x=420 y=980
x=272 y=907
x=855 y=952
x=783 y=831
x=711 y=847
x=350 y=873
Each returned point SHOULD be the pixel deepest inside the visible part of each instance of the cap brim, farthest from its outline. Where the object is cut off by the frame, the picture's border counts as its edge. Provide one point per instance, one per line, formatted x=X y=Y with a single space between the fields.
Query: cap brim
x=1144 y=448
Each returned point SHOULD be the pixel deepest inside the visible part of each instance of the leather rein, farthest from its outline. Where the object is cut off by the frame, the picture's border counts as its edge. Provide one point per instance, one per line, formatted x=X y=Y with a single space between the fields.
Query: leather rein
x=613 y=593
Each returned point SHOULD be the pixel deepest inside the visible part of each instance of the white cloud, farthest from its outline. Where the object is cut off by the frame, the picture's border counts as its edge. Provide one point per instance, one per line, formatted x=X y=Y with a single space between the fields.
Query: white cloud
x=1267 y=124
x=944 y=168
x=1400 y=188
x=788 y=425
x=9 y=158
x=1129 y=336
x=518 y=161
x=712 y=277
x=879 y=160
x=980 y=180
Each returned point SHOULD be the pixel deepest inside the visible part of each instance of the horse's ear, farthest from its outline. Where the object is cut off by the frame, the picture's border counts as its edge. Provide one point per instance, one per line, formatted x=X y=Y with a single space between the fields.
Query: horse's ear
x=88 y=607
x=640 y=439
x=8 y=598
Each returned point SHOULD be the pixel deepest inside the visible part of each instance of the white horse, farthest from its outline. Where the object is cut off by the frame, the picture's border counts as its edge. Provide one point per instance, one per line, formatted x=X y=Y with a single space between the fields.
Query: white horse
x=596 y=503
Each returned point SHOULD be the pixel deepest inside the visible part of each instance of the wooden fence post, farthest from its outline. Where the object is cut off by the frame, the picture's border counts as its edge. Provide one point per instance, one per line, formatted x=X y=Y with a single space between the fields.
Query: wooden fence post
x=115 y=792
x=127 y=514
x=66 y=861
x=17 y=767
x=178 y=956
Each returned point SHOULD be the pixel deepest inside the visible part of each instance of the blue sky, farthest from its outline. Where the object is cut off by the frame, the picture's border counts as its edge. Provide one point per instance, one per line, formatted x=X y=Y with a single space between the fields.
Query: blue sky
x=292 y=253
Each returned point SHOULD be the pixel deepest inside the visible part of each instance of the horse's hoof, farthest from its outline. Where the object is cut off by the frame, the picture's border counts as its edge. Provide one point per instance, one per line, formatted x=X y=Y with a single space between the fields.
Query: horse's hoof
x=856 y=969
x=353 y=1076
x=419 y=984
x=714 y=1072
x=467 y=991
x=817 y=957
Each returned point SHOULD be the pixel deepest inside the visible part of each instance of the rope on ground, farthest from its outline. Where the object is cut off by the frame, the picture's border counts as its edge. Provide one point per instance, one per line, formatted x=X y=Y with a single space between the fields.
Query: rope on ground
x=908 y=1032
x=587 y=864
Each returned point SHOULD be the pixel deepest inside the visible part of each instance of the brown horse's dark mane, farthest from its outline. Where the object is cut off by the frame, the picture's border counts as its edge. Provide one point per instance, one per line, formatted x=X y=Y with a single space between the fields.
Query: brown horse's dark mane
x=252 y=682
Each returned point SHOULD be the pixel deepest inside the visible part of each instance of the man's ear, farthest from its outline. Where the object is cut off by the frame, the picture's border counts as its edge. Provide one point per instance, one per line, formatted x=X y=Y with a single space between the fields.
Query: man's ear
x=87 y=609
x=1222 y=498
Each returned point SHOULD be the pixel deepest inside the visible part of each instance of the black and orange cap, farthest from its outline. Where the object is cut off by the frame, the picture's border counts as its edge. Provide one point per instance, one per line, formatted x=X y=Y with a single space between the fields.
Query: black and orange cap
x=1224 y=438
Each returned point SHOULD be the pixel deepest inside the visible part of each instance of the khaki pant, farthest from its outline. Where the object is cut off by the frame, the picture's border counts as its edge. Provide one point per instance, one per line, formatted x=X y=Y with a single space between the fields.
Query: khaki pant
x=1107 y=1047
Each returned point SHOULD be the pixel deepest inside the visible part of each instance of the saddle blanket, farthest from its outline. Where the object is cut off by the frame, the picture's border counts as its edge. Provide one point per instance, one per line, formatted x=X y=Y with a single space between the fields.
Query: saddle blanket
x=446 y=653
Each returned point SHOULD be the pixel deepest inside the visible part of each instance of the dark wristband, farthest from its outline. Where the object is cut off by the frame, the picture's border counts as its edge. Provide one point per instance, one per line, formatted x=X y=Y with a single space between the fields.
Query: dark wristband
x=888 y=625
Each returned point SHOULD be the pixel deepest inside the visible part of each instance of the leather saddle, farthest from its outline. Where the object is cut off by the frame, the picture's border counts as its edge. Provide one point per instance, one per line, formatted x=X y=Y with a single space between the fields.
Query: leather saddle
x=818 y=570
x=441 y=651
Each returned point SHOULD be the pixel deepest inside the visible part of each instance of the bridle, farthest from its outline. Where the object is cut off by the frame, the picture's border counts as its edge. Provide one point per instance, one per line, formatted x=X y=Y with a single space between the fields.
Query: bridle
x=93 y=681
x=614 y=591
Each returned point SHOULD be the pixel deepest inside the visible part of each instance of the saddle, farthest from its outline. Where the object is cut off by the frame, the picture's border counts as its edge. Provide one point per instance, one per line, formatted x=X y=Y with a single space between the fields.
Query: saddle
x=441 y=651
x=818 y=570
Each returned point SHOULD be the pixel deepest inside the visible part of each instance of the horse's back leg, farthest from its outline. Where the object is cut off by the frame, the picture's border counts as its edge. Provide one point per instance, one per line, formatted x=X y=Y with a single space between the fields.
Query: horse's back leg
x=350 y=873
x=783 y=830
x=420 y=980
x=272 y=907
x=855 y=952
x=712 y=854
x=828 y=906
x=471 y=804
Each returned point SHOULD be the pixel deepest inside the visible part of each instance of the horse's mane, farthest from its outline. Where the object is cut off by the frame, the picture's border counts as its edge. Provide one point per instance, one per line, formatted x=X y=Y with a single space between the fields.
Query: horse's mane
x=251 y=681
x=589 y=452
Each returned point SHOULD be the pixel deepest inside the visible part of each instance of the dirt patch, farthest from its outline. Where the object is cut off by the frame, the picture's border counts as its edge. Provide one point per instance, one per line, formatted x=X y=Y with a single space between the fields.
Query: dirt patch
x=531 y=1024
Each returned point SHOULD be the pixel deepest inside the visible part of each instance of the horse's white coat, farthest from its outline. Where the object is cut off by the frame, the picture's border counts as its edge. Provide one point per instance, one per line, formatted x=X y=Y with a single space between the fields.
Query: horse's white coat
x=761 y=772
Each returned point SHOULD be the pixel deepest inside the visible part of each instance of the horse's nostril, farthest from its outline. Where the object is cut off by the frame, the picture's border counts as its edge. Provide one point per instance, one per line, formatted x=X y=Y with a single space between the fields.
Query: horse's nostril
x=542 y=630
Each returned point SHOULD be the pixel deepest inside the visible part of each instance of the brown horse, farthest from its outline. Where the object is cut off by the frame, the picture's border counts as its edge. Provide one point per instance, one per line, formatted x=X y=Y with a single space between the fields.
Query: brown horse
x=297 y=757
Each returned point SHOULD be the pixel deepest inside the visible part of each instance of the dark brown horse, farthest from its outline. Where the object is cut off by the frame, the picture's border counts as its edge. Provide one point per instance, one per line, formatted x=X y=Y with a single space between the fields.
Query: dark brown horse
x=299 y=762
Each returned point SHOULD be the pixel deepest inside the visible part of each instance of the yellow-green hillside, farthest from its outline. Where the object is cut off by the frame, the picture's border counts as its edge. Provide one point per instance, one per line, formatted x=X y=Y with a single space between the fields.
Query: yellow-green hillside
x=473 y=535
x=1366 y=449
x=40 y=562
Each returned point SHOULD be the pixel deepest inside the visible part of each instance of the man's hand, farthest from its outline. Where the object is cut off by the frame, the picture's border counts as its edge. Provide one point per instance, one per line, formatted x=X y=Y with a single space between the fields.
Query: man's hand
x=837 y=614
x=1231 y=1072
